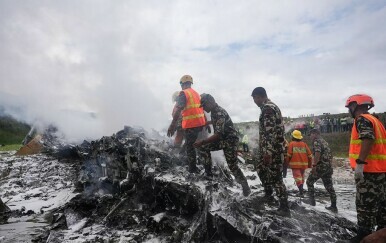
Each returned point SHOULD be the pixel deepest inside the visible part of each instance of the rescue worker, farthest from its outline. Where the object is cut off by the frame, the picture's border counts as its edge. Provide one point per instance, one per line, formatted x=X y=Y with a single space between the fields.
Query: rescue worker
x=179 y=131
x=244 y=141
x=321 y=169
x=270 y=159
x=299 y=158
x=368 y=157
x=224 y=138
x=193 y=119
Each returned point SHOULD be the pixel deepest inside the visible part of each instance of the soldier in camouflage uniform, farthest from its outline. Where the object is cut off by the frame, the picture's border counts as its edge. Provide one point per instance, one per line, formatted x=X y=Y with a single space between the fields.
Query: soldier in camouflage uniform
x=321 y=168
x=224 y=137
x=368 y=158
x=271 y=149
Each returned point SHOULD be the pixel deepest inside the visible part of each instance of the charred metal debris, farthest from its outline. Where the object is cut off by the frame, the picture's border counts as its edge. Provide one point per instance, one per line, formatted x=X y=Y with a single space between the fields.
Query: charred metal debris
x=132 y=188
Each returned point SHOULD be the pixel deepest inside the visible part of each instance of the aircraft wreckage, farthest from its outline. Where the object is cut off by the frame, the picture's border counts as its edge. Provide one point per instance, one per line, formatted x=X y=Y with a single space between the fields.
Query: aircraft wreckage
x=131 y=188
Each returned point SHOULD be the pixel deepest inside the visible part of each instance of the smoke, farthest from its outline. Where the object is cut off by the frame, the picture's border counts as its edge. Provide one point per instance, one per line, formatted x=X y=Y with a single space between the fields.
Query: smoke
x=218 y=159
x=252 y=131
x=87 y=78
x=65 y=63
x=75 y=125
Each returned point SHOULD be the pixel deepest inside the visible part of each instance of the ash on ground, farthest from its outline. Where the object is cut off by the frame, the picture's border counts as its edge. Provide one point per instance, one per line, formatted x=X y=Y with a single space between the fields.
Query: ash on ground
x=130 y=188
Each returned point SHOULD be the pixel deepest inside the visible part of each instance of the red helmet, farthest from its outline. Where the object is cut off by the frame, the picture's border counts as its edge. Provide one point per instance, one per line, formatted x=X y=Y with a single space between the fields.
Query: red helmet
x=360 y=99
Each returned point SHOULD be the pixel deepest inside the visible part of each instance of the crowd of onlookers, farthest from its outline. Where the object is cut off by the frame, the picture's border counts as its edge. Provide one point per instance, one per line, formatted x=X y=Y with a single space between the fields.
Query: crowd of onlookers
x=326 y=123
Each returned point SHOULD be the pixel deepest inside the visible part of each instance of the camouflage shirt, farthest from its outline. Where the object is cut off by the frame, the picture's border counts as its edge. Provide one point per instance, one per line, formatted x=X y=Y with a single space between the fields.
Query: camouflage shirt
x=271 y=130
x=365 y=128
x=181 y=100
x=223 y=125
x=320 y=145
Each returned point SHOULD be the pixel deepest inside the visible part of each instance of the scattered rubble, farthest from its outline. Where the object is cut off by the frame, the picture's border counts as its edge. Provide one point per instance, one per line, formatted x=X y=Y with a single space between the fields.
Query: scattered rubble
x=131 y=188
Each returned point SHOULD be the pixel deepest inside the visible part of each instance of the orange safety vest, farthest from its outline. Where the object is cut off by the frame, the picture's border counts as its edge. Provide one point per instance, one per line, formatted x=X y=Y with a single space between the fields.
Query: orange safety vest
x=299 y=155
x=376 y=160
x=192 y=114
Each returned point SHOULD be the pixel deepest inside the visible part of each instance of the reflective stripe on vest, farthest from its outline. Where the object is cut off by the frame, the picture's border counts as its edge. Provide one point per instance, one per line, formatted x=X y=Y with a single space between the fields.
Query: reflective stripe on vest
x=300 y=154
x=376 y=160
x=192 y=114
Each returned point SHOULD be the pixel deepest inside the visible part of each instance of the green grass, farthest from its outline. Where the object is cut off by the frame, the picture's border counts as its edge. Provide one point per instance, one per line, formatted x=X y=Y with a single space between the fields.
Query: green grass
x=12 y=131
x=10 y=147
x=339 y=143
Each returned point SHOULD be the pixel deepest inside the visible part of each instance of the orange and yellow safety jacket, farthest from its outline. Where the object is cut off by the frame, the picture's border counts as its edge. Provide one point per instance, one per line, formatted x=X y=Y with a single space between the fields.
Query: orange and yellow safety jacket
x=299 y=155
x=192 y=114
x=376 y=160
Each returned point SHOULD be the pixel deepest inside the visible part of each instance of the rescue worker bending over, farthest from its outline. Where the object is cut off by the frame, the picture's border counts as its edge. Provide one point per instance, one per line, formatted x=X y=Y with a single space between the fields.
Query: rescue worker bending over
x=224 y=137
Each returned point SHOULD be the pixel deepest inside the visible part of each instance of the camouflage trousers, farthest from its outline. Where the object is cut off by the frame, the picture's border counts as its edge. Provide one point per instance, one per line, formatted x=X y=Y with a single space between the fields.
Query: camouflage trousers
x=272 y=177
x=326 y=177
x=371 y=200
x=230 y=152
x=191 y=135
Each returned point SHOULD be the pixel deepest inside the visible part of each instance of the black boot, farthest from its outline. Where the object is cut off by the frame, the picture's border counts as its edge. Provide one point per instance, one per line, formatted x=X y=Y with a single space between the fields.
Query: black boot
x=310 y=200
x=208 y=172
x=301 y=191
x=333 y=207
x=362 y=233
x=284 y=209
x=193 y=169
x=268 y=196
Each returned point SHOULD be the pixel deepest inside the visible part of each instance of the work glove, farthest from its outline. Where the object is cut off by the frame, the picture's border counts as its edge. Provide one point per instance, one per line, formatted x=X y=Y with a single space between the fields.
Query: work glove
x=359 y=171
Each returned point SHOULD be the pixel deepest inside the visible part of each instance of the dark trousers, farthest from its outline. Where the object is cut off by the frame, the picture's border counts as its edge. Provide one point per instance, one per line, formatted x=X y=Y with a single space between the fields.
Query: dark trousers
x=191 y=135
x=245 y=147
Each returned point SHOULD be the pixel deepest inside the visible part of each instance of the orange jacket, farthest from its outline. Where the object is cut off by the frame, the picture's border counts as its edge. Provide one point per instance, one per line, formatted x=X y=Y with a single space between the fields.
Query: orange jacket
x=299 y=155
x=376 y=160
x=192 y=114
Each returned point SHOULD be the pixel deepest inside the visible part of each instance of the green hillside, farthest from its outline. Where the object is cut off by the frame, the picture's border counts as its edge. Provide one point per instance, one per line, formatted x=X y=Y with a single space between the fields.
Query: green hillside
x=12 y=131
x=339 y=142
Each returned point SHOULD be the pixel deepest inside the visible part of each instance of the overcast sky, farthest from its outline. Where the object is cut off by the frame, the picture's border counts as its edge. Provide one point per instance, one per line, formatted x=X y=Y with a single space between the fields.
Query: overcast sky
x=122 y=60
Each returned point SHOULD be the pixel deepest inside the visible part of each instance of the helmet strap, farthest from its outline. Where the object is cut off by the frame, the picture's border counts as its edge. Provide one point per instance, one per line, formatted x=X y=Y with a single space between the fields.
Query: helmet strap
x=352 y=112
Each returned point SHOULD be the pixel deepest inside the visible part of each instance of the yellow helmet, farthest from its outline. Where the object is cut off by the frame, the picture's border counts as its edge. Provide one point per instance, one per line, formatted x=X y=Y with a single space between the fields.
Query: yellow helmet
x=297 y=134
x=186 y=78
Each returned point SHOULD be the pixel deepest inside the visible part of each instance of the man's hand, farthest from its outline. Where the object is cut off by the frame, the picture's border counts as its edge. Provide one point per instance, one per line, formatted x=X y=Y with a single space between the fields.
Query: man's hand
x=267 y=159
x=359 y=171
x=171 y=130
x=198 y=144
